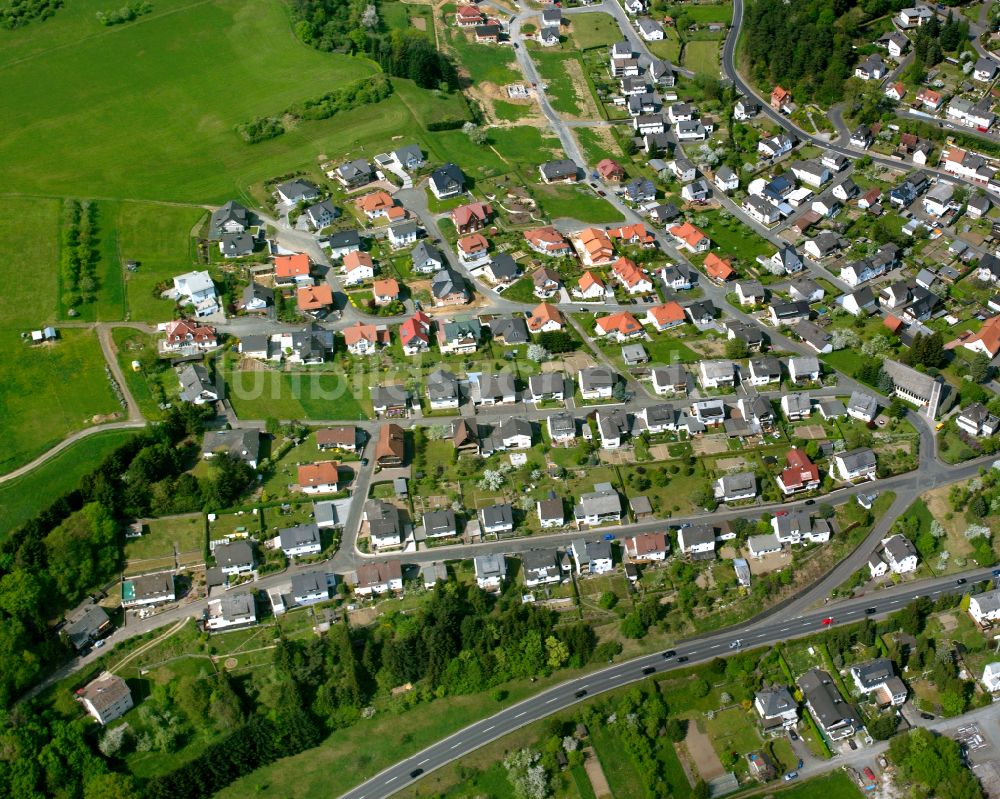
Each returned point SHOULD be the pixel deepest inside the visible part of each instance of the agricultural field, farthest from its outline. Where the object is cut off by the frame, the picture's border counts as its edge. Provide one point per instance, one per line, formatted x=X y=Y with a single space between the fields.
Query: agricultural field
x=49 y=391
x=594 y=30
x=23 y=497
x=148 y=110
x=30 y=232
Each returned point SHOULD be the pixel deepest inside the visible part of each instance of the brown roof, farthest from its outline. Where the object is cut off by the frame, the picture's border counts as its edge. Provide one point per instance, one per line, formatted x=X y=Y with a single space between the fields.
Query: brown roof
x=375 y=573
x=391 y=443
x=336 y=436
x=316 y=474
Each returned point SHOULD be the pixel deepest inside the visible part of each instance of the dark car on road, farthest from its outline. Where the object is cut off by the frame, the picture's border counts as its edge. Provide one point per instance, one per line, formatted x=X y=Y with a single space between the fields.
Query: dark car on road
x=682 y=659
x=649 y=669
x=416 y=773
x=581 y=693
x=669 y=654
x=869 y=611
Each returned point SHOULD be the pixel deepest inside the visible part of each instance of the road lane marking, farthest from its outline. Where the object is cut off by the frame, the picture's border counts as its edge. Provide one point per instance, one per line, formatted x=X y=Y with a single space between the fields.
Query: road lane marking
x=522 y=713
x=425 y=760
x=550 y=701
x=489 y=728
x=389 y=780
x=455 y=746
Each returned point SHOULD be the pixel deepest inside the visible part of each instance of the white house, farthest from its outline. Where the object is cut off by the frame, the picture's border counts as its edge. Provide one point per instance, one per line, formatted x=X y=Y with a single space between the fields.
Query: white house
x=302 y=539
x=197 y=289
x=716 y=374
x=491 y=571
x=857 y=464
x=696 y=540
x=736 y=487
x=777 y=709
x=896 y=554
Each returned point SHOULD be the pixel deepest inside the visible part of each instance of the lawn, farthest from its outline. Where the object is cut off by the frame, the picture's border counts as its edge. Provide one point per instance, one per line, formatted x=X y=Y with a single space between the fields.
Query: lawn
x=159 y=238
x=22 y=498
x=732 y=237
x=594 y=30
x=669 y=47
x=283 y=395
x=510 y=112
x=708 y=12
x=667 y=350
x=30 y=232
x=847 y=361
x=575 y=202
x=702 y=57
x=525 y=147
x=618 y=765
x=401 y=15
x=50 y=391
x=109 y=299
x=164 y=537
x=148 y=110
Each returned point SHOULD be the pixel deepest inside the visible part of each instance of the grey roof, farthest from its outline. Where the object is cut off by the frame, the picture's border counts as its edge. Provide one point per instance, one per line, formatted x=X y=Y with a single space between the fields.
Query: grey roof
x=241 y=443
x=988 y=601
x=498 y=385
x=235 y=245
x=389 y=396
x=344 y=238
x=195 y=380
x=255 y=291
x=234 y=606
x=405 y=228
x=825 y=700
x=873 y=673
x=442 y=385
x=900 y=547
x=232 y=211
x=306 y=583
x=448 y=178
x=551 y=508
x=299 y=535
x=718 y=370
x=500 y=514
x=409 y=152
x=910 y=379
x=562 y=423
x=559 y=169
x=85 y=624
x=766 y=365
x=738 y=483
x=297 y=190
x=320 y=209
x=358 y=169
x=383 y=519
x=725 y=173
x=605 y=500
x=493 y=564
x=613 y=423
x=546 y=383
x=594 y=377
x=832 y=407
x=447 y=281
x=425 y=253
x=804 y=364
x=235 y=553
x=788 y=310
x=325 y=512
x=598 y=550
x=864 y=403
x=512 y=330
x=440 y=522
x=698 y=534
x=859 y=458
x=775 y=700
x=540 y=560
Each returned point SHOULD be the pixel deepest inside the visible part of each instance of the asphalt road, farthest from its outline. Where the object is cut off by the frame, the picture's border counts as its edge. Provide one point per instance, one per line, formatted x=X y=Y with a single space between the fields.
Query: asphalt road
x=775 y=629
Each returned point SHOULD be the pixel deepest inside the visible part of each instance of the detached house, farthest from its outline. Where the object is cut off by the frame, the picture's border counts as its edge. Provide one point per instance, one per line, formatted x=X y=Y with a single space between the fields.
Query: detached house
x=857 y=464
x=471 y=217
x=896 y=554
x=736 y=487
x=834 y=715
x=596 y=382
x=599 y=506
x=447 y=181
x=548 y=241
x=800 y=475
x=878 y=677
x=621 y=326
x=777 y=709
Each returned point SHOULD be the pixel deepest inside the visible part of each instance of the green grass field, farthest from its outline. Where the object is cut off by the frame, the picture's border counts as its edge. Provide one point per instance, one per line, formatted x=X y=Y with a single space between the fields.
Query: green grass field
x=401 y=15
x=29 y=229
x=187 y=533
x=708 y=12
x=159 y=238
x=510 y=112
x=135 y=345
x=833 y=786
x=575 y=202
x=732 y=239
x=702 y=57
x=594 y=147
x=109 y=302
x=594 y=30
x=148 y=109
x=559 y=87
x=484 y=62
x=526 y=147
x=259 y=395
x=22 y=498
x=669 y=47
x=48 y=392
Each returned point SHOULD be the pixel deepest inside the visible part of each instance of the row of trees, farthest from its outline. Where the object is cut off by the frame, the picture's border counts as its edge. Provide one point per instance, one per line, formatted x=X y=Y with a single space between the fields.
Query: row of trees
x=362 y=92
x=18 y=13
x=124 y=14
x=78 y=252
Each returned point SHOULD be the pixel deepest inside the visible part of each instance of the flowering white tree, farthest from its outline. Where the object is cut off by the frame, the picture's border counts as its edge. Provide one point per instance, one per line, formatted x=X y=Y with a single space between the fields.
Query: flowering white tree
x=527 y=776
x=875 y=346
x=369 y=17
x=937 y=529
x=844 y=338
x=537 y=353
x=977 y=531
x=492 y=480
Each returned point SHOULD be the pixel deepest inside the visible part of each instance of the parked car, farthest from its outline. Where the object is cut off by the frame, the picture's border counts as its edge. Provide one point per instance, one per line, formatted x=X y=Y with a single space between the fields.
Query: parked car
x=791 y=775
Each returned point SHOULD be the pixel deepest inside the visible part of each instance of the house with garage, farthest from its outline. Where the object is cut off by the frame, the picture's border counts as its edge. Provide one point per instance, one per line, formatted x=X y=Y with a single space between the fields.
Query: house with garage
x=697 y=541
x=547 y=387
x=302 y=539
x=596 y=382
x=670 y=379
x=563 y=170
x=736 y=487
x=750 y=292
x=292 y=192
x=491 y=571
x=385 y=525
x=878 y=677
x=540 y=567
x=495 y=389
x=777 y=709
